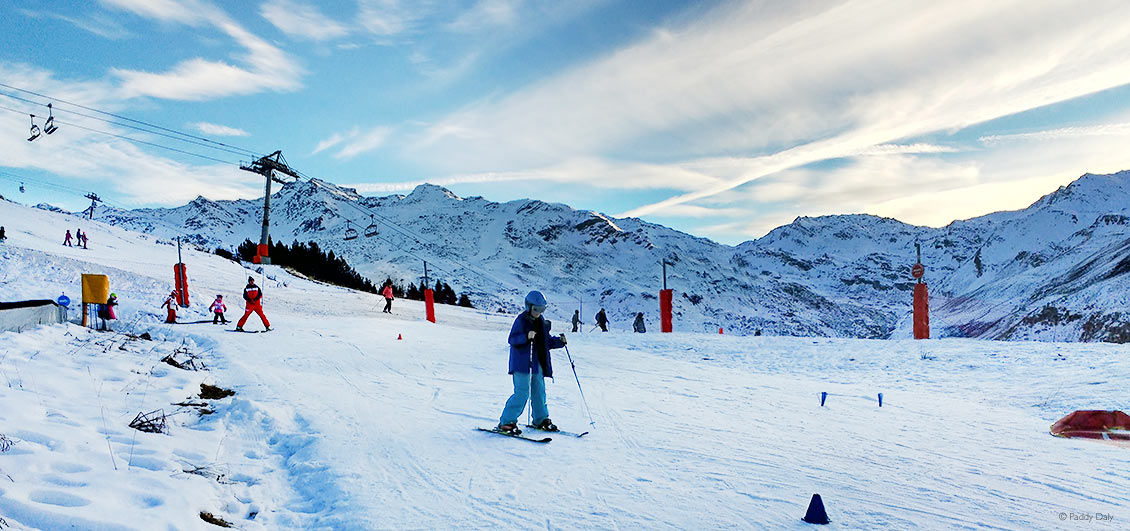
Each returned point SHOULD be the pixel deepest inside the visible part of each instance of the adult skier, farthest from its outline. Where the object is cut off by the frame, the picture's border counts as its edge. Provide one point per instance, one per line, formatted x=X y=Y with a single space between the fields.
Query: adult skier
x=387 y=292
x=106 y=312
x=2 y=235
x=218 y=308
x=638 y=325
x=254 y=298
x=530 y=364
x=576 y=320
x=171 y=304
x=67 y=241
x=602 y=320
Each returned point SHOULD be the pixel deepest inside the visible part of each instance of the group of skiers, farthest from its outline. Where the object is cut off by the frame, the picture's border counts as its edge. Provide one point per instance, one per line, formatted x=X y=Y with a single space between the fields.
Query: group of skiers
x=602 y=321
x=79 y=239
x=253 y=303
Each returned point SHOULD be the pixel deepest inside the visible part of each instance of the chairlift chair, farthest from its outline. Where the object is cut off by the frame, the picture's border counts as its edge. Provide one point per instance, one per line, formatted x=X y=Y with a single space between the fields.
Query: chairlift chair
x=34 y=130
x=350 y=232
x=371 y=230
x=49 y=126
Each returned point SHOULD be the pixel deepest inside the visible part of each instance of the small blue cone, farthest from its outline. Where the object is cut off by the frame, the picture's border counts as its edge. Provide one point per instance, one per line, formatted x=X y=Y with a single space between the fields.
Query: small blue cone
x=880 y=399
x=823 y=395
x=816 y=514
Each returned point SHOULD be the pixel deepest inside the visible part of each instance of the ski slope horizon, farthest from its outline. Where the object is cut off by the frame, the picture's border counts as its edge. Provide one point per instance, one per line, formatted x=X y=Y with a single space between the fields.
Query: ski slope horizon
x=337 y=423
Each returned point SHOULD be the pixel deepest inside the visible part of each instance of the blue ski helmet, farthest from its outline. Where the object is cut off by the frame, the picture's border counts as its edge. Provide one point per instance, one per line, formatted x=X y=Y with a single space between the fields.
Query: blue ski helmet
x=535 y=301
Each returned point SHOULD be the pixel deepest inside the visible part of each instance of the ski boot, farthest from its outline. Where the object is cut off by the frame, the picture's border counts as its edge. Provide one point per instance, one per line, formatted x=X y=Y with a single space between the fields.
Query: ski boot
x=509 y=429
x=546 y=425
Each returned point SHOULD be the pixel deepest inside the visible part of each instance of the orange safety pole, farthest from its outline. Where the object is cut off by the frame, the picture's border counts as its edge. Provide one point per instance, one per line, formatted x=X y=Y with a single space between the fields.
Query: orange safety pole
x=665 y=310
x=921 y=312
x=430 y=305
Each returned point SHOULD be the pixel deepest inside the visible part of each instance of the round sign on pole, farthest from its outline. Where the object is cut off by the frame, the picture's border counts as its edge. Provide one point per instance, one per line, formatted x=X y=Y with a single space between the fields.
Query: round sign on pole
x=917 y=270
x=64 y=300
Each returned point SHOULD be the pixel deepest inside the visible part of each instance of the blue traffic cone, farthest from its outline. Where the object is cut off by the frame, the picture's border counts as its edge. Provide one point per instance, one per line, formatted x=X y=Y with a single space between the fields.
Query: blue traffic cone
x=816 y=514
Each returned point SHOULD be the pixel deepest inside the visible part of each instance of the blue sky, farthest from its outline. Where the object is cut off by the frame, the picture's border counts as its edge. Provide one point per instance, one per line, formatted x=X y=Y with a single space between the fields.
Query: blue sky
x=722 y=119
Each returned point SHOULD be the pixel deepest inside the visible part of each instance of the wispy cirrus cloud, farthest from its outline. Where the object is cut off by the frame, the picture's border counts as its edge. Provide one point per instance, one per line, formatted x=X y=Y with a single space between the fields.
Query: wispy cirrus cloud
x=818 y=79
x=262 y=66
x=1120 y=129
x=355 y=142
x=301 y=20
x=219 y=130
x=97 y=24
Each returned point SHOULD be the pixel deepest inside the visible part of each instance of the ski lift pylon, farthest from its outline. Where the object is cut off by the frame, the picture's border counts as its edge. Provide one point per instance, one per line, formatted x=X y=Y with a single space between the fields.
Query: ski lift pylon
x=34 y=130
x=371 y=230
x=350 y=232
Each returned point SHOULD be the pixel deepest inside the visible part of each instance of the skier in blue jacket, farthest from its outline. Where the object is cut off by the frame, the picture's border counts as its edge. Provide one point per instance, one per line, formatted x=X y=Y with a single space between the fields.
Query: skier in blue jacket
x=530 y=344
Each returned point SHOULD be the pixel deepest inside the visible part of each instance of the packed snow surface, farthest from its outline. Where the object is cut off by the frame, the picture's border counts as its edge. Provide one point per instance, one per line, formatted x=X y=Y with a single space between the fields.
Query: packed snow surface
x=338 y=423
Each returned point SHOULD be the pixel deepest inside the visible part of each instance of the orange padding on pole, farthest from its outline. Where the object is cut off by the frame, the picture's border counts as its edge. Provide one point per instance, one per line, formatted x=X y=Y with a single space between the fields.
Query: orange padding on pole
x=665 y=310
x=261 y=250
x=180 y=278
x=430 y=305
x=921 y=312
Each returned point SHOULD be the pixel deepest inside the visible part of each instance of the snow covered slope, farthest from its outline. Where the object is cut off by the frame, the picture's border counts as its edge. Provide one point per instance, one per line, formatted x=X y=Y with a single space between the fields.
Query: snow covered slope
x=337 y=423
x=1051 y=271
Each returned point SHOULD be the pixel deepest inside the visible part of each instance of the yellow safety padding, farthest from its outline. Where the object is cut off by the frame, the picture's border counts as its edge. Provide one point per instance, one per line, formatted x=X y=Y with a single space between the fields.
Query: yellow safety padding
x=95 y=289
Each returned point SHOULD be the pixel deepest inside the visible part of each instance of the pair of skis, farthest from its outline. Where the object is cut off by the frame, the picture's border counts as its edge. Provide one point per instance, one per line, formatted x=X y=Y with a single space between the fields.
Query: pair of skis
x=533 y=439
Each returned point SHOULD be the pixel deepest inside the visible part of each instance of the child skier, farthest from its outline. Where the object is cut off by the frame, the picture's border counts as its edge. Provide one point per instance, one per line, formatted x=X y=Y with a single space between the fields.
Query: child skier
x=530 y=364
x=253 y=296
x=638 y=326
x=218 y=308
x=67 y=241
x=171 y=304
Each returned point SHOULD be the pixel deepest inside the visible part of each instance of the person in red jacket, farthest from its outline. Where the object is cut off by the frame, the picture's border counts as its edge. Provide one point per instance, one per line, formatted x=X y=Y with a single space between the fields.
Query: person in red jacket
x=218 y=308
x=254 y=298
x=171 y=304
x=387 y=292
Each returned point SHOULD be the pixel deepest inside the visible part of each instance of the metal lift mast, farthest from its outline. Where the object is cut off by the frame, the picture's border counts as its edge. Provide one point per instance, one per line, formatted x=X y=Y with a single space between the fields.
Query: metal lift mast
x=267 y=166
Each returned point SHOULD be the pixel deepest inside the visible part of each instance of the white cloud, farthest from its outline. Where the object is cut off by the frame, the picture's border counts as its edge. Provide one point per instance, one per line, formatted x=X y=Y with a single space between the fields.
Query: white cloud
x=386 y=18
x=264 y=67
x=220 y=130
x=750 y=77
x=363 y=142
x=99 y=25
x=1122 y=129
x=486 y=14
x=330 y=142
x=301 y=20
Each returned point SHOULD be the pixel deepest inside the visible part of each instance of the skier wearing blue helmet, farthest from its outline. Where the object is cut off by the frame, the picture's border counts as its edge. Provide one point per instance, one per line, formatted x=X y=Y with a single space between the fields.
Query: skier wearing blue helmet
x=530 y=364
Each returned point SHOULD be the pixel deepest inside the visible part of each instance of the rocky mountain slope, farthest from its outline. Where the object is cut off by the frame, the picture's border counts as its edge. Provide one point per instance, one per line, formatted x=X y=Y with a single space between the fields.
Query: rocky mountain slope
x=1052 y=271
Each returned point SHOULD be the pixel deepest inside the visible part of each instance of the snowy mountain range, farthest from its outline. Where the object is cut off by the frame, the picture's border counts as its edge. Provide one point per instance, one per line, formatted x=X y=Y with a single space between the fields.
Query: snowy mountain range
x=1053 y=271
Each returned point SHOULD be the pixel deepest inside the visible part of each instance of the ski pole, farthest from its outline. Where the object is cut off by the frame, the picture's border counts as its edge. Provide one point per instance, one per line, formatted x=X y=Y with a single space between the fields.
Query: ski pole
x=583 y=401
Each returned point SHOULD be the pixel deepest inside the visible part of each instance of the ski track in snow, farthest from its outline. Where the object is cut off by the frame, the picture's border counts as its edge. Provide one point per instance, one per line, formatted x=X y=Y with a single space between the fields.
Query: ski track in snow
x=338 y=424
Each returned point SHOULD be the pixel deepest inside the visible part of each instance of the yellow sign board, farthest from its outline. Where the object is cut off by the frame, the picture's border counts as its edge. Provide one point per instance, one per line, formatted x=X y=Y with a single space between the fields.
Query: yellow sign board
x=95 y=289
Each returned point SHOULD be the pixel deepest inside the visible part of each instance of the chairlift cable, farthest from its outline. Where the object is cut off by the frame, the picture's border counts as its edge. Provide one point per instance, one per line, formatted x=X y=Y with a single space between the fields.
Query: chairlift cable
x=174 y=131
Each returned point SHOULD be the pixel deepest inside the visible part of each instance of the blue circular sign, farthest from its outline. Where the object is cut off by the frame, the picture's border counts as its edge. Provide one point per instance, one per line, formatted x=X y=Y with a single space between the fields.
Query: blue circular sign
x=64 y=300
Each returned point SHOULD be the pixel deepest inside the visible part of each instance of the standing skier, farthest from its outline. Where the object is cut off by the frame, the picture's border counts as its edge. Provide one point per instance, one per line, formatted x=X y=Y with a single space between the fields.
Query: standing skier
x=387 y=292
x=638 y=325
x=602 y=320
x=67 y=241
x=576 y=320
x=171 y=304
x=530 y=363
x=106 y=312
x=254 y=298
x=218 y=308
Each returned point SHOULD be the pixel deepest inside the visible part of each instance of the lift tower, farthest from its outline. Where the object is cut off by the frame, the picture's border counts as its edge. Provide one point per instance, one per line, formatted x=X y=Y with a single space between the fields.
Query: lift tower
x=267 y=166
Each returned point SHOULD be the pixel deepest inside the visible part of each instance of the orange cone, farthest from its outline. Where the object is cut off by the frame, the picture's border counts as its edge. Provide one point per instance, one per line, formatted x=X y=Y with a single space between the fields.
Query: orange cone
x=399 y=337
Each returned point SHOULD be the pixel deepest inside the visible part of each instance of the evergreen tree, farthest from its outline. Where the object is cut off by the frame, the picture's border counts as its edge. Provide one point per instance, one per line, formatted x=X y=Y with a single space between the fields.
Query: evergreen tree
x=465 y=301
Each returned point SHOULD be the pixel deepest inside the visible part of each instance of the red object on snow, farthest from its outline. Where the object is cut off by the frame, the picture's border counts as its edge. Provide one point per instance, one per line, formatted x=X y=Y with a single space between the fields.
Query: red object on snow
x=399 y=337
x=180 y=278
x=665 y=310
x=430 y=305
x=1111 y=426
x=921 y=312
x=719 y=329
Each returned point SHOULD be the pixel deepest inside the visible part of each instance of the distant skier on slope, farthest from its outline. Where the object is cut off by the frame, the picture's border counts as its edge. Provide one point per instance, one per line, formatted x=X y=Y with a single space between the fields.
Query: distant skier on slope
x=67 y=240
x=576 y=320
x=254 y=298
x=638 y=325
x=218 y=308
x=171 y=304
x=602 y=320
x=387 y=292
x=530 y=364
